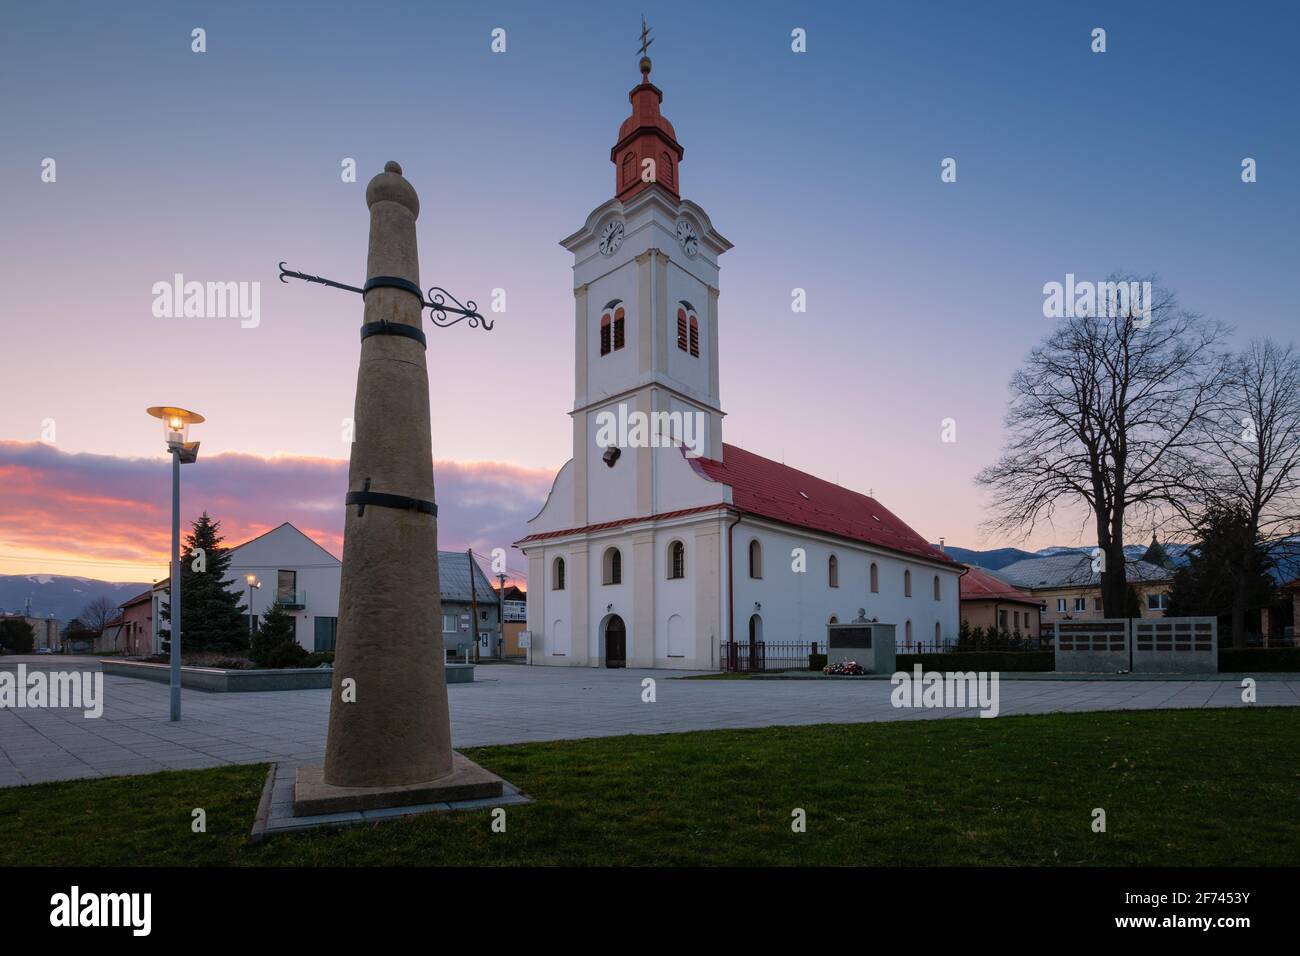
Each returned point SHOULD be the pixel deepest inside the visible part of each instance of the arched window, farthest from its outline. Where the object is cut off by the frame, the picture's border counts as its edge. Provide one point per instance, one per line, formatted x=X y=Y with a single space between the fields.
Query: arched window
x=755 y=559
x=557 y=575
x=875 y=578
x=611 y=327
x=937 y=638
x=613 y=566
x=907 y=583
x=936 y=587
x=676 y=560
x=833 y=620
x=907 y=635
x=833 y=571
x=688 y=329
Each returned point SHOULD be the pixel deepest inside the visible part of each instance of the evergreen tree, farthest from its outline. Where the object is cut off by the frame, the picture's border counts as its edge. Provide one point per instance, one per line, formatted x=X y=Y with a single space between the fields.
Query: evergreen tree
x=17 y=635
x=274 y=644
x=1205 y=586
x=212 y=617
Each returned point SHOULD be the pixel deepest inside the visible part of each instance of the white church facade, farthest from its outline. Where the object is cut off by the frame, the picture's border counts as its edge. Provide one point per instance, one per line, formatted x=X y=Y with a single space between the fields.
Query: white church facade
x=658 y=542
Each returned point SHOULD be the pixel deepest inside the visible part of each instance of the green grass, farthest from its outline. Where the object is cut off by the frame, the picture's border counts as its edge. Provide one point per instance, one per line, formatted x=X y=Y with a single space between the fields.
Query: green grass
x=1195 y=787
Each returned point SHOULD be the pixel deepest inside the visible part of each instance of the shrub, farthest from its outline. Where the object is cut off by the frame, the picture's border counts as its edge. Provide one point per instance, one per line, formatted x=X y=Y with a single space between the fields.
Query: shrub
x=1010 y=661
x=285 y=654
x=1244 y=660
x=317 y=659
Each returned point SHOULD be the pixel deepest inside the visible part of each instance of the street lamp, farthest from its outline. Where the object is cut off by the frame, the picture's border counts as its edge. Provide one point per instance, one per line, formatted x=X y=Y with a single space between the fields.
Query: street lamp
x=176 y=428
x=252 y=581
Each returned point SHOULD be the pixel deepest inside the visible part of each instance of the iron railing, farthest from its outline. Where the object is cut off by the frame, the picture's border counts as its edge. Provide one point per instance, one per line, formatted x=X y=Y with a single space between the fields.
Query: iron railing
x=744 y=657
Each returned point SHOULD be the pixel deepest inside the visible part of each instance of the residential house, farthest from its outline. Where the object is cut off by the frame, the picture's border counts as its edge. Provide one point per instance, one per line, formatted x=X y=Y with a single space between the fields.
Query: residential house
x=988 y=602
x=1070 y=589
x=465 y=591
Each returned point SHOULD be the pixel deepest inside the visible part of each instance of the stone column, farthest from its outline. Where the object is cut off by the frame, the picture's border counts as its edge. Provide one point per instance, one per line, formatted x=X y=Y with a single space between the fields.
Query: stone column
x=397 y=730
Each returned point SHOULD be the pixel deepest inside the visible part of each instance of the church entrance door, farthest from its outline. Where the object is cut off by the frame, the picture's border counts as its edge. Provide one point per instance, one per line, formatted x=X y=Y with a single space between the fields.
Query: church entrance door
x=615 y=642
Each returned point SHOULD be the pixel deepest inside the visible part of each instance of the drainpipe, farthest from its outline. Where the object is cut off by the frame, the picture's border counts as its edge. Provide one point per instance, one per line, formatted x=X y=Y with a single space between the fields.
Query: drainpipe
x=731 y=576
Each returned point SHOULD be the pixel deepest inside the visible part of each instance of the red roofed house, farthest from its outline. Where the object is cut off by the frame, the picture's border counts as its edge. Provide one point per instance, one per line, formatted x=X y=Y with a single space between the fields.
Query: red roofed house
x=658 y=541
x=989 y=602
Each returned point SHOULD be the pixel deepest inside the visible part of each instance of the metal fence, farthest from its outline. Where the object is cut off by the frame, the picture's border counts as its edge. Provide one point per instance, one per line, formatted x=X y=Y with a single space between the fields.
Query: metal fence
x=743 y=657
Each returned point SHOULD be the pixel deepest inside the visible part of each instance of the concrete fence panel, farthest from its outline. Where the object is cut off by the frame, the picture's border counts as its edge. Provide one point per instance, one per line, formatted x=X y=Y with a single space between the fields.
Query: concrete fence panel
x=1176 y=645
x=1092 y=647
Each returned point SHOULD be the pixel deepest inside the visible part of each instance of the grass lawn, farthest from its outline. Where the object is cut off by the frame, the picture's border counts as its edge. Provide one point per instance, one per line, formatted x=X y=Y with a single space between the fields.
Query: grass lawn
x=1192 y=787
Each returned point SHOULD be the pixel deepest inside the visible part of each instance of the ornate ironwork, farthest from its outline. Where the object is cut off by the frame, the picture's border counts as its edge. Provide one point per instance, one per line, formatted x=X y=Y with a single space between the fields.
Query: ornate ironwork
x=436 y=303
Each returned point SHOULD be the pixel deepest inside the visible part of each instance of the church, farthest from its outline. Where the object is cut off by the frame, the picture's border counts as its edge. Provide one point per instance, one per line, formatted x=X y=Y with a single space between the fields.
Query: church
x=658 y=541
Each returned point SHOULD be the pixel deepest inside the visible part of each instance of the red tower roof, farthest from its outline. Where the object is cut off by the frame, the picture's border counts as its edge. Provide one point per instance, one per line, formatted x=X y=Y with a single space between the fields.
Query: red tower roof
x=646 y=135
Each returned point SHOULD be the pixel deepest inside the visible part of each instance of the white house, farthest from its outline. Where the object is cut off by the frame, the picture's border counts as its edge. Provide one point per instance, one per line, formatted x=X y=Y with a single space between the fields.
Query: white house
x=289 y=567
x=658 y=541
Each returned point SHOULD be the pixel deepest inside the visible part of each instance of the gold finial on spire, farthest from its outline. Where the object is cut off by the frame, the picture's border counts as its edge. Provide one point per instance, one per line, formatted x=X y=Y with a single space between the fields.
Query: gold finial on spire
x=645 y=47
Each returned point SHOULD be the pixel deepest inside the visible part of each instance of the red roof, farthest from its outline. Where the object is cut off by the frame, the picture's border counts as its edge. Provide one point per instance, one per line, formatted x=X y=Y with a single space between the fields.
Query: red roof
x=978 y=585
x=768 y=489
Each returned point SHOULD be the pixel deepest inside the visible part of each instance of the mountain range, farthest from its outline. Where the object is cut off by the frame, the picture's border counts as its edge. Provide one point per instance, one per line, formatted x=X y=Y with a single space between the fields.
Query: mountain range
x=59 y=595
x=999 y=558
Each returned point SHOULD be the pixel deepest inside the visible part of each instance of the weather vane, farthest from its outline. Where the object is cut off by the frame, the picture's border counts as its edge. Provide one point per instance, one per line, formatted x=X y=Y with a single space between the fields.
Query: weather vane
x=645 y=37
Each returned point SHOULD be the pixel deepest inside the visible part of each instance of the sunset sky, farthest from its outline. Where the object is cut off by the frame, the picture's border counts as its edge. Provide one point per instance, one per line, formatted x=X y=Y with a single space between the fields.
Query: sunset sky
x=822 y=168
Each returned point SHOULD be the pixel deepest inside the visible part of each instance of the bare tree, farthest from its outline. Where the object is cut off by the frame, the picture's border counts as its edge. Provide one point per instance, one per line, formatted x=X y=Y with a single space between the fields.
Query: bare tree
x=1104 y=424
x=96 y=615
x=1252 y=441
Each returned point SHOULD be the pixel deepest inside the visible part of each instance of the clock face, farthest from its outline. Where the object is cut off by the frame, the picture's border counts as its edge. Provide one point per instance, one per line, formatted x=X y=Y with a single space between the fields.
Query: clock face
x=686 y=236
x=611 y=237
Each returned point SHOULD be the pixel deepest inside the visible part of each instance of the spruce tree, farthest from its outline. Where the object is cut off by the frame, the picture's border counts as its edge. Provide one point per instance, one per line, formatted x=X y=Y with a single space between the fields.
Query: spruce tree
x=274 y=644
x=1206 y=584
x=212 y=617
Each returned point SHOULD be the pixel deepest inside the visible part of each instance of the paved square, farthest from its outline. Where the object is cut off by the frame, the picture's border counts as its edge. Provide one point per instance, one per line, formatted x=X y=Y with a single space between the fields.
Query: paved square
x=509 y=704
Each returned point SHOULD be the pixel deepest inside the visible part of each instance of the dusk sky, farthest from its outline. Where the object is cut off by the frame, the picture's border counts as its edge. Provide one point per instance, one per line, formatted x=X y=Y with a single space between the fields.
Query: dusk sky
x=823 y=168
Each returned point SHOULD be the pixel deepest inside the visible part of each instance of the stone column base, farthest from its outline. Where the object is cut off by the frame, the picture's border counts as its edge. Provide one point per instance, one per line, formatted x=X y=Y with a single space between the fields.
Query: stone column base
x=312 y=796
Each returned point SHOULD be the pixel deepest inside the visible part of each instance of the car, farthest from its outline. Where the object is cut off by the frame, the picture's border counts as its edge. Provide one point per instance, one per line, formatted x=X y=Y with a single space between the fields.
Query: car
x=43 y=650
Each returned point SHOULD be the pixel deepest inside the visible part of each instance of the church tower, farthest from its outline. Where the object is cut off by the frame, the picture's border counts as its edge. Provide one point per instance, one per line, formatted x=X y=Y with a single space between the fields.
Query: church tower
x=645 y=268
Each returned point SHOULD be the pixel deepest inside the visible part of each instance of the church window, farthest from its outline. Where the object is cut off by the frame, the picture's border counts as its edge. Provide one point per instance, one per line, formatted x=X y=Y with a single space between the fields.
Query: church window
x=681 y=329
x=875 y=578
x=755 y=559
x=907 y=635
x=557 y=575
x=695 y=337
x=676 y=560
x=937 y=638
x=907 y=584
x=833 y=571
x=936 y=587
x=611 y=327
x=613 y=566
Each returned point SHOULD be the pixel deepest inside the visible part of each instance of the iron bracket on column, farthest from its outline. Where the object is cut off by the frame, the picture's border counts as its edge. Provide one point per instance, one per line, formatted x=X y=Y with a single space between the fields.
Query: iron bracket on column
x=436 y=303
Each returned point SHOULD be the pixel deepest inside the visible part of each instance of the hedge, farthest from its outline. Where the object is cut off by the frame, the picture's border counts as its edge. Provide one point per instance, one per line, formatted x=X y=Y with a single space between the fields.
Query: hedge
x=1243 y=660
x=980 y=661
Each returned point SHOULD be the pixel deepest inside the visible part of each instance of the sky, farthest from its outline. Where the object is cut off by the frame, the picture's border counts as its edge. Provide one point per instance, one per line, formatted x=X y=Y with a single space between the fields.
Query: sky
x=822 y=167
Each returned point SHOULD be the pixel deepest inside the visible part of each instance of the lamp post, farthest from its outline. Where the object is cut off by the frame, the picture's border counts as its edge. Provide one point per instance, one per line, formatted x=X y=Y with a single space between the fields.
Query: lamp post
x=176 y=428
x=252 y=581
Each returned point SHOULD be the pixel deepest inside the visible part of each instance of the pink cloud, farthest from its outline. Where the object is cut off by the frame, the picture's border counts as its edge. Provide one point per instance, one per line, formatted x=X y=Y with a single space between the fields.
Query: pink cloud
x=100 y=508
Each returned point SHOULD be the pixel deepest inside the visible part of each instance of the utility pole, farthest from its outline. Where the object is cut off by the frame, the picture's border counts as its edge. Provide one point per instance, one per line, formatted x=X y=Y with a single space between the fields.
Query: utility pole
x=501 y=617
x=473 y=601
